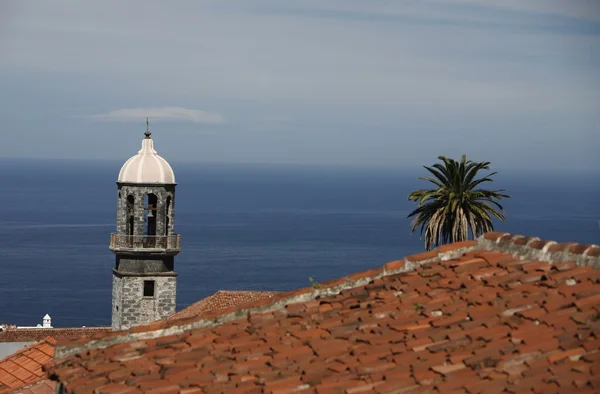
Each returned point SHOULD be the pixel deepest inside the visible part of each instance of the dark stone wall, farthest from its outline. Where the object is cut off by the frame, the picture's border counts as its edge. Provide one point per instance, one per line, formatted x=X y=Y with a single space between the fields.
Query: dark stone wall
x=117 y=306
x=144 y=264
x=130 y=307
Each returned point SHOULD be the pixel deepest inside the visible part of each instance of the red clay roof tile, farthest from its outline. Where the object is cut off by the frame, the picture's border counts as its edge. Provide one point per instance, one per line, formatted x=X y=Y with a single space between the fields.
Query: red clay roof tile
x=45 y=386
x=579 y=248
x=560 y=247
x=456 y=245
x=222 y=299
x=394 y=265
x=539 y=244
x=24 y=368
x=494 y=236
x=415 y=258
x=480 y=321
x=522 y=241
x=594 y=251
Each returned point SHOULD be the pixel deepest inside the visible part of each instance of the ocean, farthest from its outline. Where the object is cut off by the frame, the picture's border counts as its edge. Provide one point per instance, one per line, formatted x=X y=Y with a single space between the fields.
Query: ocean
x=243 y=227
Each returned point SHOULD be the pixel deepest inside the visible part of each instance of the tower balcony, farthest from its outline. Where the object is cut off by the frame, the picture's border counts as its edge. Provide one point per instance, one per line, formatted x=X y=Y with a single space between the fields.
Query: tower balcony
x=145 y=243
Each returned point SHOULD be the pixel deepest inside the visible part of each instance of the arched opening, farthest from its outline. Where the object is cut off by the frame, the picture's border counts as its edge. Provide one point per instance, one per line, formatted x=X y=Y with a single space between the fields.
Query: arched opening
x=130 y=214
x=167 y=212
x=150 y=202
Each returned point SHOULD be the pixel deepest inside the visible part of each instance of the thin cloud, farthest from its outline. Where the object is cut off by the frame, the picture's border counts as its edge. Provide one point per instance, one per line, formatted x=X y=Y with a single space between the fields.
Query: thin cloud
x=583 y=9
x=167 y=113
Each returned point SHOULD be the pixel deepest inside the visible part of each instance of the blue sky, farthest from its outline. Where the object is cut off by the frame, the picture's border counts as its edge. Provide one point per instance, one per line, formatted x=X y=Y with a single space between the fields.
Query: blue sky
x=392 y=83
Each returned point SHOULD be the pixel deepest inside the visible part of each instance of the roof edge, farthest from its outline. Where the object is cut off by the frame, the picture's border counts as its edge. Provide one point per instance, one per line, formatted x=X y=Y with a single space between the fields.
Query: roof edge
x=34 y=387
x=521 y=246
x=49 y=340
x=120 y=183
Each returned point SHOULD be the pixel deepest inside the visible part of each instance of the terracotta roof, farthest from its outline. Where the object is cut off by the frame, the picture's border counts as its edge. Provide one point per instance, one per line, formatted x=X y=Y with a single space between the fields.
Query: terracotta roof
x=10 y=334
x=24 y=367
x=45 y=386
x=503 y=313
x=220 y=300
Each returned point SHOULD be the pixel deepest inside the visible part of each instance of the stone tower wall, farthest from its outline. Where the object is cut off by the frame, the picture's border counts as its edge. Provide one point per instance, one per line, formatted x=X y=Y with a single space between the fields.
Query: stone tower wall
x=132 y=267
x=117 y=307
x=131 y=308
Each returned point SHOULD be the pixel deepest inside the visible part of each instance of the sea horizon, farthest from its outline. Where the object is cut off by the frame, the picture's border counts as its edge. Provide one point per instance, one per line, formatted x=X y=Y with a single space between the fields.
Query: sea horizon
x=341 y=167
x=243 y=227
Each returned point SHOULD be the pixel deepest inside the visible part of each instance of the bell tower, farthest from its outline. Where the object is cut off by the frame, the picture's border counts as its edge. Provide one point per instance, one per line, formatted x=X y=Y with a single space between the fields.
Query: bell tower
x=145 y=243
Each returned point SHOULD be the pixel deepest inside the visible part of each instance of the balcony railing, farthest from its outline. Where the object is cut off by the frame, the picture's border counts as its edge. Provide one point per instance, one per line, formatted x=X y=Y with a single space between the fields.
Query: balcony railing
x=149 y=243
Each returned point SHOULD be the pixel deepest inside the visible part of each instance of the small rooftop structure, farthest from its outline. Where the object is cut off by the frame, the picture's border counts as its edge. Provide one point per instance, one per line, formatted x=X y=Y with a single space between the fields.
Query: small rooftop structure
x=47 y=321
x=503 y=313
x=147 y=167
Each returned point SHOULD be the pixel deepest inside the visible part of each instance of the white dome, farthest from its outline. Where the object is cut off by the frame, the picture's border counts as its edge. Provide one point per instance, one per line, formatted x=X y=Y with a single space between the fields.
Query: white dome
x=146 y=167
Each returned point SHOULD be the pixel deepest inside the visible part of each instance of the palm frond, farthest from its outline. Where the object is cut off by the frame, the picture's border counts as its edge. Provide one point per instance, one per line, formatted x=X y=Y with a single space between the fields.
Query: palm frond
x=456 y=209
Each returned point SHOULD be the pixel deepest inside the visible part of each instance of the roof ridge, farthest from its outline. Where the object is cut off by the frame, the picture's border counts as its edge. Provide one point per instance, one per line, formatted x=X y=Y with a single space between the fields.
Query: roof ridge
x=523 y=247
x=38 y=334
x=244 y=291
x=542 y=250
x=14 y=328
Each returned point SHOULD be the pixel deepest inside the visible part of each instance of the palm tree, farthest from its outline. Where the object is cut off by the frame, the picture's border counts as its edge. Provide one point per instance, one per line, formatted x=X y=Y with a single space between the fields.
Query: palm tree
x=455 y=207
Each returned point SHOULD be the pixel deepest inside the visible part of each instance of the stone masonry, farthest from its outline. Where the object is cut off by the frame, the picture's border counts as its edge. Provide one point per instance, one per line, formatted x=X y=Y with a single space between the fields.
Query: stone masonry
x=162 y=192
x=145 y=259
x=131 y=308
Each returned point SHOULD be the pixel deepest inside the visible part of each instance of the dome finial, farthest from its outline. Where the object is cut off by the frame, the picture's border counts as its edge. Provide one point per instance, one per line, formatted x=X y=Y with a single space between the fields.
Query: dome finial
x=147 y=133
